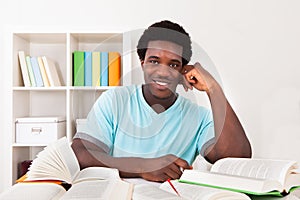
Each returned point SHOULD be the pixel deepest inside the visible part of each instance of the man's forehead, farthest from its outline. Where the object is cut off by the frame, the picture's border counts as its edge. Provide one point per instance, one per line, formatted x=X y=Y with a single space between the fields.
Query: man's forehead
x=166 y=46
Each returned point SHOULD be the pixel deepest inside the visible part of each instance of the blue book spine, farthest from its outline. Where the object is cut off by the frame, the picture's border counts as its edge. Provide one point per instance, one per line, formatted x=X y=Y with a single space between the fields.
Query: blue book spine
x=37 y=72
x=104 y=69
x=87 y=68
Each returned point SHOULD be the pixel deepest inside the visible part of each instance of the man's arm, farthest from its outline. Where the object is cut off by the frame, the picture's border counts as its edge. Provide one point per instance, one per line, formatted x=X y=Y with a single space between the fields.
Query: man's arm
x=153 y=169
x=231 y=140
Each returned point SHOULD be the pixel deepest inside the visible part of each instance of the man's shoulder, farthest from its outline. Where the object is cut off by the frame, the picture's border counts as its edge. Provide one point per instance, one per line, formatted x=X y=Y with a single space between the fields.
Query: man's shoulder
x=188 y=103
x=124 y=89
x=122 y=92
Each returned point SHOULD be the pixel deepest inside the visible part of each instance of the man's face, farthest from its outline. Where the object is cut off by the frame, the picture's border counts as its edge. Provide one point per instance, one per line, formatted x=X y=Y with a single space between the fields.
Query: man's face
x=162 y=66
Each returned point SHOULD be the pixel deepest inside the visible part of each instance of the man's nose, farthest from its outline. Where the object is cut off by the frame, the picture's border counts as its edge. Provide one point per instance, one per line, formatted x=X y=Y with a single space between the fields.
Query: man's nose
x=164 y=70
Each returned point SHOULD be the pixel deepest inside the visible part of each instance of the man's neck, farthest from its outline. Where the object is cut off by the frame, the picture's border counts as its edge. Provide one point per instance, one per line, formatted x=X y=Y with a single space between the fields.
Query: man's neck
x=159 y=105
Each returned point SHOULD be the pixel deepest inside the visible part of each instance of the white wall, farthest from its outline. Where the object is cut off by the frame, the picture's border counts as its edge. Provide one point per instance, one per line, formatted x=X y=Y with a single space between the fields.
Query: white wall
x=254 y=44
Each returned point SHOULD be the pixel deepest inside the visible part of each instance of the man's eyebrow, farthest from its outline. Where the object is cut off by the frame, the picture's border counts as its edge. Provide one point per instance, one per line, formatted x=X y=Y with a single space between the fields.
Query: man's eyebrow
x=153 y=57
x=177 y=61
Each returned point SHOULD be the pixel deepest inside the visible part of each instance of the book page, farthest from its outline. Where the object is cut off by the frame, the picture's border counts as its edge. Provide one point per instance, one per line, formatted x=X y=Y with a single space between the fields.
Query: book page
x=29 y=191
x=56 y=162
x=97 y=173
x=254 y=168
x=100 y=190
x=88 y=190
x=230 y=182
x=194 y=192
x=201 y=164
x=151 y=192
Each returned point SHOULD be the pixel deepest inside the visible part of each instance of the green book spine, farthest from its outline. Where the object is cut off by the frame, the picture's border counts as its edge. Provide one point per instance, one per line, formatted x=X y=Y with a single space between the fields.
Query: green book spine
x=274 y=193
x=30 y=71
x=78 y=68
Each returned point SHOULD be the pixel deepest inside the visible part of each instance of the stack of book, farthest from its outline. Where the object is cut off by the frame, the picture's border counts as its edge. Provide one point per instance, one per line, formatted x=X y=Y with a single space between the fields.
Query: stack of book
x=38 y=71
x=96 y=68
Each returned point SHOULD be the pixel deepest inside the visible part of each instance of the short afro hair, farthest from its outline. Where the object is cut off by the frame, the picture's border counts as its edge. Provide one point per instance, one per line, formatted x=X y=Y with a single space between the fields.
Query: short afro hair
x=166 y=31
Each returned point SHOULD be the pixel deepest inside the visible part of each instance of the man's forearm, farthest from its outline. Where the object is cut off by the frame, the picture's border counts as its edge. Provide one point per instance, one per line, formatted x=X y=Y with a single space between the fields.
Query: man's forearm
x=153 y=169
x=90 y=156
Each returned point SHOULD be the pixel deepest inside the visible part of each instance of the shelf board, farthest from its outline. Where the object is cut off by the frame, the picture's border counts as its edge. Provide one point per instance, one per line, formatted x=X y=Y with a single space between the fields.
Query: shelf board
x=28 y=145
x=61 y=88
x=21 y=88
x=98 y=37
x=49 y=38
x=90 y=88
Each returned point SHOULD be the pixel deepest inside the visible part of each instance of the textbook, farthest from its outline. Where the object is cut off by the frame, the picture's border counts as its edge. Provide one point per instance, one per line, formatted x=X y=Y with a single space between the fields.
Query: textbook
x=251 y=176
x=30 y=71
x=36 y=71
x=78 y=68
x=87 y=68
x=96 y=68
x=24 y=70
x=58 y=163
x=43 y=71
x=51 y=71
x=185 y=191
x=103 y=68
x=114 y=68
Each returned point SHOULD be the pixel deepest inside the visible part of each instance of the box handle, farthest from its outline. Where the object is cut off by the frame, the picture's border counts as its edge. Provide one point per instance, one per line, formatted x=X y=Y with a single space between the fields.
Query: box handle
x=36 y=130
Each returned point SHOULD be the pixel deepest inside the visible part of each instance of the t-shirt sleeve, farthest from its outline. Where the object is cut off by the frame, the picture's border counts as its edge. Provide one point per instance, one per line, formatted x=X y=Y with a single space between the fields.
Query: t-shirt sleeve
x=207 y=133
x=99 y=125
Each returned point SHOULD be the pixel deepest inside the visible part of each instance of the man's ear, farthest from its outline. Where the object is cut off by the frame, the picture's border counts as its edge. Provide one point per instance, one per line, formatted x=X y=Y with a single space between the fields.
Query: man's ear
x=142 y=63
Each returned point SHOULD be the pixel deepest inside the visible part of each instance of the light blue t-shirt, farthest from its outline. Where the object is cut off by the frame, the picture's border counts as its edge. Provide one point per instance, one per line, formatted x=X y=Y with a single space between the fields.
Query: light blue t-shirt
x=123 y=120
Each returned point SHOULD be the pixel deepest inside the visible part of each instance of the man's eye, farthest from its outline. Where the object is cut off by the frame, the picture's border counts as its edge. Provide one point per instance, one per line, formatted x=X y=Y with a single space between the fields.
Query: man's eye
x=153 y=62
x=174 y=66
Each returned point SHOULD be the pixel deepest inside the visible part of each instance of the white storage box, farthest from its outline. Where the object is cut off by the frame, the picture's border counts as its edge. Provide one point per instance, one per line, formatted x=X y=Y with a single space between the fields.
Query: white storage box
x=39 y=130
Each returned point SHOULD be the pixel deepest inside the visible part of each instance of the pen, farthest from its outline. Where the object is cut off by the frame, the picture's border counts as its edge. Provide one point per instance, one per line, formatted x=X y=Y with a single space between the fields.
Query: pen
x=169 y=181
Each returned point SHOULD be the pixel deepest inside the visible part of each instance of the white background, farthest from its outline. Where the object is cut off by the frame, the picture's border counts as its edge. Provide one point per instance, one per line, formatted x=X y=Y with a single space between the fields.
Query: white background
x=255 y=45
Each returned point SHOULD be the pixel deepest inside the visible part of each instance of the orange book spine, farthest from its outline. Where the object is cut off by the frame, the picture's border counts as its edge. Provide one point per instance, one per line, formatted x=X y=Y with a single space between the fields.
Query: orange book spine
x=114 y=69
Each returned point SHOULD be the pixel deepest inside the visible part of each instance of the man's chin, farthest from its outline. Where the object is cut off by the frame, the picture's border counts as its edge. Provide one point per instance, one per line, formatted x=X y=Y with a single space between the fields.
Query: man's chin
x=161 y=93
x=166 y=94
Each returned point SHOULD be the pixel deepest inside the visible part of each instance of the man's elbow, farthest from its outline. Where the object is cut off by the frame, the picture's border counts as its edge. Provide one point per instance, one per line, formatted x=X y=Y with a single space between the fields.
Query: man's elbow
x=81 y=153
x=215 y=152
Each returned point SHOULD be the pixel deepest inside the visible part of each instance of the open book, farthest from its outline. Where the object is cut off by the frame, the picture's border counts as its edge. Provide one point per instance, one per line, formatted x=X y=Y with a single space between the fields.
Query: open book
x=57 y=162
x=252 y=176
x=186 y=191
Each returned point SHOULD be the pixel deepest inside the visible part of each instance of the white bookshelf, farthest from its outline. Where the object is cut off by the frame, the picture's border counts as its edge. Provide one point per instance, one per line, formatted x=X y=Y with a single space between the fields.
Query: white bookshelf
x=66 y=100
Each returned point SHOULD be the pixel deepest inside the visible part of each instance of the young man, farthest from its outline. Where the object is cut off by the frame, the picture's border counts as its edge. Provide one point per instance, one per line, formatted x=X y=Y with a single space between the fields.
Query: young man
x=150 y=131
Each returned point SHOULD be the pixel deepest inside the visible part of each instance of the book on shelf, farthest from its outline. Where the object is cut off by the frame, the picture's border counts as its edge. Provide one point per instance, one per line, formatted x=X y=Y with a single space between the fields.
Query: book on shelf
x=87 y=68
x=24 y=69
x=30 y=71
x=96 y=68
x=104 y=68
x=251 y=176
x=78 y=68
x=36 y=72
x=57 y=163
x=51 y=71
x=43 y=71
x=114 y=69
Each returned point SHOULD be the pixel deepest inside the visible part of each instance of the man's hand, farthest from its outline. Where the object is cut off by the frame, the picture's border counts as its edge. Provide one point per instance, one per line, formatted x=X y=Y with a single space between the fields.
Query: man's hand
x=163 y=168
x=196 y=76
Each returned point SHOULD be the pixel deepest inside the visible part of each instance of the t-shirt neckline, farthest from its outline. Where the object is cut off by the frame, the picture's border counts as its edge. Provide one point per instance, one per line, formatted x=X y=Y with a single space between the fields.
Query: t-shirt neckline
x=150 y=109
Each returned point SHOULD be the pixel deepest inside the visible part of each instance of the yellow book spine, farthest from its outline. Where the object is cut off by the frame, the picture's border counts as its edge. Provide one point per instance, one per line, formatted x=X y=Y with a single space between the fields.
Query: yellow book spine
x=43 y=72
x=95 y=68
